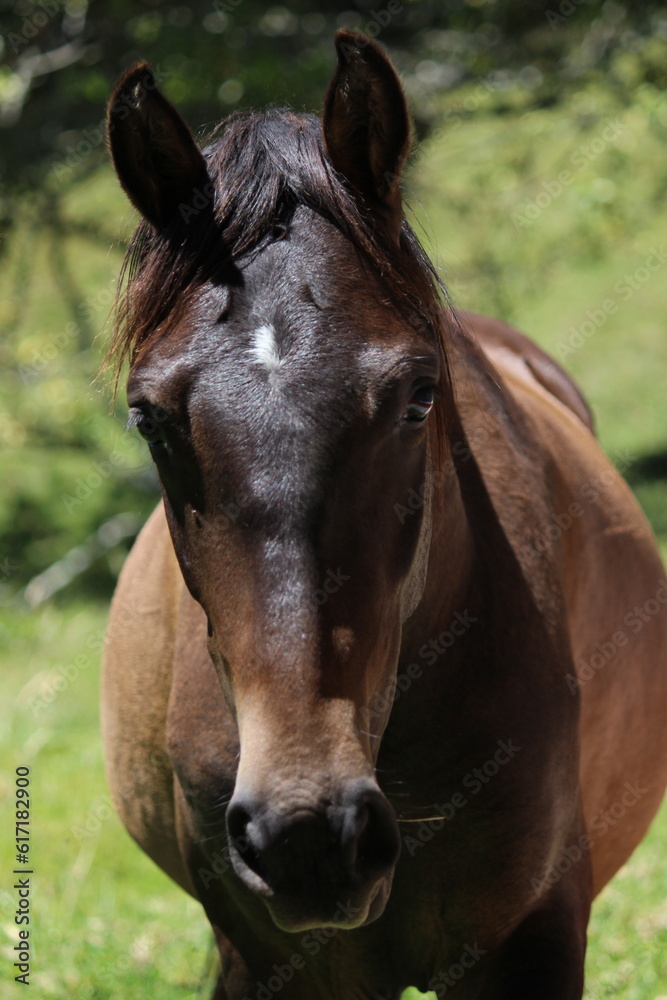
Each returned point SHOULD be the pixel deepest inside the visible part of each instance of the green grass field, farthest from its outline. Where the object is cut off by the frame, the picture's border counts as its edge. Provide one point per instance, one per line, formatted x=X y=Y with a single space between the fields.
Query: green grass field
x=107 y=924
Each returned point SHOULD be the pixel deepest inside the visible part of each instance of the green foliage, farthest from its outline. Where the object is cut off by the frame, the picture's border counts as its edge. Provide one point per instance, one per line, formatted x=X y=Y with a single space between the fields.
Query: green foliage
x=60 y=59
x=66 y=463
x=554 y=219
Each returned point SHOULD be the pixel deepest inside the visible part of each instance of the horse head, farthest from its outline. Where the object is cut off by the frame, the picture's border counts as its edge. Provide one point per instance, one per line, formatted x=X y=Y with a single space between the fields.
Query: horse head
x=284 y=337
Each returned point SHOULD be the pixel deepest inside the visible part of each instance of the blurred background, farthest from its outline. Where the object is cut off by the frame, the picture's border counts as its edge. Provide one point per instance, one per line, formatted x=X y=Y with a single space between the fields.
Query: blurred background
x=538 y=184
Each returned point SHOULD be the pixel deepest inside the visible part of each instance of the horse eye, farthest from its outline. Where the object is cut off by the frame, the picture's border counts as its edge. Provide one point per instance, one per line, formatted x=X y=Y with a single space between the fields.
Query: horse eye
x=147 y=427
x=420 y=404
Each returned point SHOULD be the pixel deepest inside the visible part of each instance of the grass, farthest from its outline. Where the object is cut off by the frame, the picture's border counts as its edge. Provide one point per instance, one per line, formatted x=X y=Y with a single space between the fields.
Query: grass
x=107 y=924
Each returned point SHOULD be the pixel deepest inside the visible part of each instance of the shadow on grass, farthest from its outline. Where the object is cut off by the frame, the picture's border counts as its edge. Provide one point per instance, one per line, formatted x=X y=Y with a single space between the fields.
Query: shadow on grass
x=648 y=468
x=647 y=477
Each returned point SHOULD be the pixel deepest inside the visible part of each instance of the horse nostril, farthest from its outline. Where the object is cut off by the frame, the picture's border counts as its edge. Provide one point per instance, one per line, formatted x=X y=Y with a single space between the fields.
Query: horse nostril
x=238 y=817
x=378 y=842
x=243 y=839
x=352 y=843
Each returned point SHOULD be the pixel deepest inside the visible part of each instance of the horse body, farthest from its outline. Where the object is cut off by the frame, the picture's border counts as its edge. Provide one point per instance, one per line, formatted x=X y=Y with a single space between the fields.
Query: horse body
x=262 y=743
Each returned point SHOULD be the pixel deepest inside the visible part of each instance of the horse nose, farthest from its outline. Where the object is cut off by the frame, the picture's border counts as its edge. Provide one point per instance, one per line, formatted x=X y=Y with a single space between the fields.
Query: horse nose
x=328 y=848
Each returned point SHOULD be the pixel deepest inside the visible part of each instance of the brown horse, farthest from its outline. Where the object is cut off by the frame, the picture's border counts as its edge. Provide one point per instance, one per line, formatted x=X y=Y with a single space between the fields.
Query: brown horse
x=341 y=702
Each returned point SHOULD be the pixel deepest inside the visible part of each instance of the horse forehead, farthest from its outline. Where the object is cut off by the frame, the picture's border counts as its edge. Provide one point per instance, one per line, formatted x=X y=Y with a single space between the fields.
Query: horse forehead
x=305 y=315
x=282 y=401
x=303 y=336
x=316 y=266
x=271 y=415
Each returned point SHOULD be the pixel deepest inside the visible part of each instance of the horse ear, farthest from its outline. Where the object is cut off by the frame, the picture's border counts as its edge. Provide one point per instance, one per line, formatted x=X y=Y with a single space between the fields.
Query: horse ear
x=155 y=156
x=366 y=125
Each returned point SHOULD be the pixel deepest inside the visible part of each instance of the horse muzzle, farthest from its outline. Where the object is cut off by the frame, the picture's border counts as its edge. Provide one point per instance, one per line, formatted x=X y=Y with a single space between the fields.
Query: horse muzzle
x=327 y=865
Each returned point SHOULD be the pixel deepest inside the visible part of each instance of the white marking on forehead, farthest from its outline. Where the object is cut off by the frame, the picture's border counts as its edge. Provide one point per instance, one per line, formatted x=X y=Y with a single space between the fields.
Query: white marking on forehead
x=265 y=347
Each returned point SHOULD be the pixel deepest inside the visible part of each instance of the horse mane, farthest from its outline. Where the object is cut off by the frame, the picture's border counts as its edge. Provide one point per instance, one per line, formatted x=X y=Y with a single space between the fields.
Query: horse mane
x=262 y=166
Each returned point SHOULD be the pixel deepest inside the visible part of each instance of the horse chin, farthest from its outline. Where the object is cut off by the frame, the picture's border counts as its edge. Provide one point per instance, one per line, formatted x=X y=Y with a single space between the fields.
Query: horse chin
x=350 y=910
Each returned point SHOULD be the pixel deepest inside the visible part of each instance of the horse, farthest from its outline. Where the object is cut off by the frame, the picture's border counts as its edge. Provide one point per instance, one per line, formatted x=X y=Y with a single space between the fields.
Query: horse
x=384 y=686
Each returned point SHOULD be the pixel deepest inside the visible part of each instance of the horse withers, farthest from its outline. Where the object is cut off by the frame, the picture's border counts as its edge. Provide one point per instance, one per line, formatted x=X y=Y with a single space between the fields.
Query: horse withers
x=348 y=702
